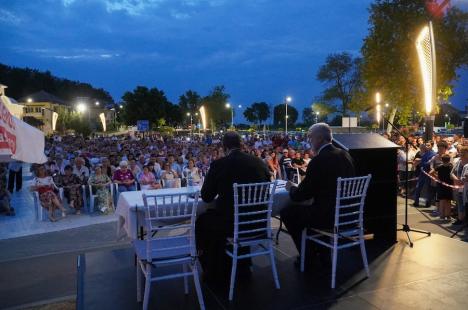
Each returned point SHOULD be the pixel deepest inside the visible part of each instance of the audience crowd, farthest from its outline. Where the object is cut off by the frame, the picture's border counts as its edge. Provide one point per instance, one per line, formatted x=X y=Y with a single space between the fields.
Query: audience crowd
x=78 y=167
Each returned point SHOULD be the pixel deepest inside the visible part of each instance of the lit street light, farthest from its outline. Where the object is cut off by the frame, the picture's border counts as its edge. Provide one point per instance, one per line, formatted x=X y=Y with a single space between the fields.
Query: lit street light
x=378 y=109
x=191 y=122
x=97 y=103
x=316 y=116
x=81 y=107
x=29 y=100
x=228 y=106
x=288 y=100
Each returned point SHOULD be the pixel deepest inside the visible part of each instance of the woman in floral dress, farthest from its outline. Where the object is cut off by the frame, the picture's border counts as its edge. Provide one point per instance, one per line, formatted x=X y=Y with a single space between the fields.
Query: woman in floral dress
x=71 y=184
x=46 y=187
x=100 y=183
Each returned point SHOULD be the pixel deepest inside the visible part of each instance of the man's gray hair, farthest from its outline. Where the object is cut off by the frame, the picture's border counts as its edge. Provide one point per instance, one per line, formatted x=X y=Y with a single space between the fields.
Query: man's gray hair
x=322 y=130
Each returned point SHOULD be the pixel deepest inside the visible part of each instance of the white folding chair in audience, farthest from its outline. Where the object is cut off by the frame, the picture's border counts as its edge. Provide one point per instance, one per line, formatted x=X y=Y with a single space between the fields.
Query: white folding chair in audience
x=174 y=248
x=252 y=225
x=348 y=228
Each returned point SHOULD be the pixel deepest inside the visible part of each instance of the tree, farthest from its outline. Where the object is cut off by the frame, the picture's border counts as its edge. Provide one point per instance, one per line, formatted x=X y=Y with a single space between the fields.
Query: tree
x=24 y=81
x=341 y=75
x=257 y=113
x=279 y=113
x=190 y=102
x=390 y=63
x=215 y=106
x=147 y=104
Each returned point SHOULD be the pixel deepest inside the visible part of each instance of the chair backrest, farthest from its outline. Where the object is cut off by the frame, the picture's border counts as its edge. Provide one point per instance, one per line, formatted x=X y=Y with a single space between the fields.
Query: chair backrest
x=252 y=210
x=178 y=208
x=350 y=197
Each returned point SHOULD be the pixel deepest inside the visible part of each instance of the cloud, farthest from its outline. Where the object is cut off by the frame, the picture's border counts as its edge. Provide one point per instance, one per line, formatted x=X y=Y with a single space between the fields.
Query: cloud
x=69 y=54
x=180 y=15
x=8 y=17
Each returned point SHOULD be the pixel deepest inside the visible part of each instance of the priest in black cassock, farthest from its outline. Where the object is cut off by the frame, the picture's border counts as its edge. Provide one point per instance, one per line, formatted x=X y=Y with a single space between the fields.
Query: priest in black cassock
x=319 y=184
x=214 y=226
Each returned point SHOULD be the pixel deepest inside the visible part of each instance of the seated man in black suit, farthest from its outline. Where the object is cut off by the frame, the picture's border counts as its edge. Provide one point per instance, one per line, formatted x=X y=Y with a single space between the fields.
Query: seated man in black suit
x=319 y=184
x=214 y=226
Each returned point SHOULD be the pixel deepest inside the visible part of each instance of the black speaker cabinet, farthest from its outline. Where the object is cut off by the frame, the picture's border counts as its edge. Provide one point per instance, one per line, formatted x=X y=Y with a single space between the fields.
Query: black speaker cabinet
x=378 y=156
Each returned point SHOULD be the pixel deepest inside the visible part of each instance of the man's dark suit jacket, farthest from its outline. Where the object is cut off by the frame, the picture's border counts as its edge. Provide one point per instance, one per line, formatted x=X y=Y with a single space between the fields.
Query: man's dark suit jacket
x=237 y=167
x=320 y=183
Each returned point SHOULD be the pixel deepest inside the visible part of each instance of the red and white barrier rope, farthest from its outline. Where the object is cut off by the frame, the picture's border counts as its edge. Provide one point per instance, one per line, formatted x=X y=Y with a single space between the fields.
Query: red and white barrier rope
x=440 y=182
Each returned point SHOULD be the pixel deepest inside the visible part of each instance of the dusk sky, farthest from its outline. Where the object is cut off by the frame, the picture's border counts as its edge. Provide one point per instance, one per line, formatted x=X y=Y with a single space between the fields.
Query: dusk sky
x=260 y=50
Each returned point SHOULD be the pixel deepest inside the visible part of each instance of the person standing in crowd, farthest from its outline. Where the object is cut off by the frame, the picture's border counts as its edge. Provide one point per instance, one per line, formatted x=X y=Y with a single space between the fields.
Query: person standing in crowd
x=5 y=198
x=444 y=192
x=423 y=180
x=15 y=175
x=457 y=176
x=215 y=225
x=436 y=161
x=319 y=184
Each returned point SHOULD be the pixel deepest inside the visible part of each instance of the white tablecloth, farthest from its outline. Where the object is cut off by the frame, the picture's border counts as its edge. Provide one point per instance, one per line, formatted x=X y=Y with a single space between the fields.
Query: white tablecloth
x=130 y=208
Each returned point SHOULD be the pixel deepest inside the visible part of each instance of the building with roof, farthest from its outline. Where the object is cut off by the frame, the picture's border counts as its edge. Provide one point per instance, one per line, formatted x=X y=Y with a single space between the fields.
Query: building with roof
x=41 y=109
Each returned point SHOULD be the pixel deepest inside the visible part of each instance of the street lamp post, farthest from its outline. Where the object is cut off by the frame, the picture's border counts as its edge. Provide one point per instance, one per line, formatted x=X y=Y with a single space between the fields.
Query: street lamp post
x=288 y=100
x=228 y=106
x=317 y=116
x=191 y=123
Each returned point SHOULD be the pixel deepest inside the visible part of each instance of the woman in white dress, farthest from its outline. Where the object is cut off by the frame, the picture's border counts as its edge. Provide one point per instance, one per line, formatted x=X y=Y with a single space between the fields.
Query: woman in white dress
x=194 y=172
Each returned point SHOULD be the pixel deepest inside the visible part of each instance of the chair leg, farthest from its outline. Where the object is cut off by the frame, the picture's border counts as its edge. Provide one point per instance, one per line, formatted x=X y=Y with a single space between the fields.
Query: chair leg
x=196 y=280
x=334 y=260
x=184 y=268
x=138 y=278
x=364 y=257
x=233 y=273
x=147 y=287
x=303 y=248
x=273 y=267
x=279 y=230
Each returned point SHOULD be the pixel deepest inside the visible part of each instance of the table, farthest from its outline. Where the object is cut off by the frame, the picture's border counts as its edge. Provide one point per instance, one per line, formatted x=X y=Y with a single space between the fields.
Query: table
x=131 y=212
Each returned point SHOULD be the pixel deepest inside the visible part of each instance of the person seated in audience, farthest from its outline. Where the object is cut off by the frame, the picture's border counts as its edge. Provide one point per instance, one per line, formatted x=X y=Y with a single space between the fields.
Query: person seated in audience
x=134 y=168
x=169 y=177
x=273 y=165
x=80 y=170
x=100 y=186
x=106 y=167
x=46 y=188
x=286 y=164
x=124 y=178
x=147 y=179
x=194 y=172
x=71 y=184
x=299 y=163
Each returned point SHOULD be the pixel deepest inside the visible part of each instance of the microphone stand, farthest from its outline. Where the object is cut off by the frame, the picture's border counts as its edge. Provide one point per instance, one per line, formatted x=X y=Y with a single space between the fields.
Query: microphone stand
x=405 y=227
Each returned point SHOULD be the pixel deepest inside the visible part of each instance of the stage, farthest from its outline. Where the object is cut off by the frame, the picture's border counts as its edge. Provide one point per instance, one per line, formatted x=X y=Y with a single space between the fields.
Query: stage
x=433 y=274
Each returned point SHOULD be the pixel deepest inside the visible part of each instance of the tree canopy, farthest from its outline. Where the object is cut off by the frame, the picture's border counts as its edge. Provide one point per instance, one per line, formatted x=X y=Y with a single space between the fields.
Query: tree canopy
x=22 y=82
x=341 y=75
x=390 y=64
x=149 y=104
x=257 y=113
x=190 y=102
x=215 y=106
x=279 y=115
